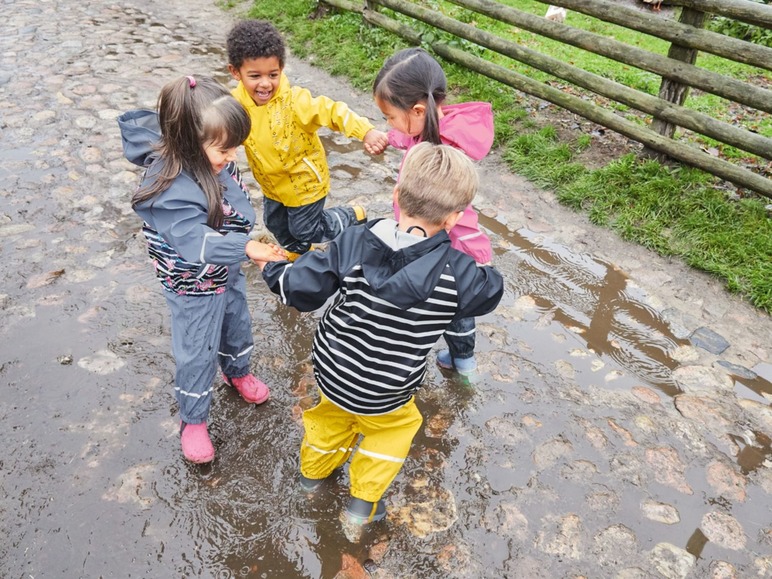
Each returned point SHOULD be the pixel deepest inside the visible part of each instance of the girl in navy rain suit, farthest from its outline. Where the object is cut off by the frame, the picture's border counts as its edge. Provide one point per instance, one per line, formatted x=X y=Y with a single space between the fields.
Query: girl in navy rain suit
x=197 y=216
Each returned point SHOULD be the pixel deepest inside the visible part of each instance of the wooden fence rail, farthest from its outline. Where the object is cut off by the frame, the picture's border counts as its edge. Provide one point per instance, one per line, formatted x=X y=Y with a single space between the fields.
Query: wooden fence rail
x=675 y=32
x=663 y=66
x=750 y=12
x=677 y=72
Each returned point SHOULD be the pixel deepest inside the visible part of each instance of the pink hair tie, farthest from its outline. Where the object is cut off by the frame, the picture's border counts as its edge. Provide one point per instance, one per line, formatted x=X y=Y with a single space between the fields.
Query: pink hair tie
x=192 y=81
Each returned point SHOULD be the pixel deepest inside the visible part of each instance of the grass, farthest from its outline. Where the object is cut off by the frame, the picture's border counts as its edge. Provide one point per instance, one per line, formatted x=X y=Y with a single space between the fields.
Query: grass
x=673 y=212
x=680 y=212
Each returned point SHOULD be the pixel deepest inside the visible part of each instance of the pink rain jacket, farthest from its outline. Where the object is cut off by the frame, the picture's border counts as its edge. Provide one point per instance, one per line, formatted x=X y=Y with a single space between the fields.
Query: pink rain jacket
x=468 y=127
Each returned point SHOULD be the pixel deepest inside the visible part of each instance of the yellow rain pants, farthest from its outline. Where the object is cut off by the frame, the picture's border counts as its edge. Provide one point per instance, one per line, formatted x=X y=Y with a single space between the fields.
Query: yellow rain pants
x=332 y=433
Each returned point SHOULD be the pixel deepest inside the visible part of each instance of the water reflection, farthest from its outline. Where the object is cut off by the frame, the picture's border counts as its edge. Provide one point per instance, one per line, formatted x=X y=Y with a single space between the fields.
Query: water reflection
x=755 y=450
x=592 y=299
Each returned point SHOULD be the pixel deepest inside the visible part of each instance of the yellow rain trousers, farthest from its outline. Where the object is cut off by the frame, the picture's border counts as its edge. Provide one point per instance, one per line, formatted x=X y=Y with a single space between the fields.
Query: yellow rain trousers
x=332 y=433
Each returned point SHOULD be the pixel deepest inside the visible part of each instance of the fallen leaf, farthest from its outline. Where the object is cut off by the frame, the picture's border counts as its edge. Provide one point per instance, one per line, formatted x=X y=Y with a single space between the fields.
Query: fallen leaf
x=43 y=279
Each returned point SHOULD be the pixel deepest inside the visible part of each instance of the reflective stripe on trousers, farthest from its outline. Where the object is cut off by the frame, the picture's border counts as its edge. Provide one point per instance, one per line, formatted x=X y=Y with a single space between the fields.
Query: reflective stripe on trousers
x=332 y=433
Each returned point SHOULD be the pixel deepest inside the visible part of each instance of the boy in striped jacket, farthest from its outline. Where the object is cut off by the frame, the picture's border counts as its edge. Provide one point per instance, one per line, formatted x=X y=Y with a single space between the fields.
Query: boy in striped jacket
x=399 y=286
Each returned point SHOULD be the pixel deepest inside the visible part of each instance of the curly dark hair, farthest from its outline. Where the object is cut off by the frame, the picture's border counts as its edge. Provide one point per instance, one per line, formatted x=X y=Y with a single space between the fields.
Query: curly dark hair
x=254 y=39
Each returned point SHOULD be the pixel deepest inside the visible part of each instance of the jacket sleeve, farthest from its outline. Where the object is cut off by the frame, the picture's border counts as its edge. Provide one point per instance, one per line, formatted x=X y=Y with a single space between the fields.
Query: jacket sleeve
x=400 y=140
x=467 y=237
x=182 y=223
x=480 y=290
x=306 y=284
x=315 y=112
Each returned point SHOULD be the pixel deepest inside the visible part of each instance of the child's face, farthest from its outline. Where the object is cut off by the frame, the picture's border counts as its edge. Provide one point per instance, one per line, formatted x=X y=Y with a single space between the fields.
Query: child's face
x=411 y=122
x=260 y=76
x=218 y=156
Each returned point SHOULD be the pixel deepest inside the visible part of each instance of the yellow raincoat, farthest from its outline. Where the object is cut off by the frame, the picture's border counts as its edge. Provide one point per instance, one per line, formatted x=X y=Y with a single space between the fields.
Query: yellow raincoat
x=284 y=152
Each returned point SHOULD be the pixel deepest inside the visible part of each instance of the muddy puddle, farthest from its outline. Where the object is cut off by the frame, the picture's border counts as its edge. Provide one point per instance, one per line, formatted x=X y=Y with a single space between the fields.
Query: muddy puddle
x=573 y=451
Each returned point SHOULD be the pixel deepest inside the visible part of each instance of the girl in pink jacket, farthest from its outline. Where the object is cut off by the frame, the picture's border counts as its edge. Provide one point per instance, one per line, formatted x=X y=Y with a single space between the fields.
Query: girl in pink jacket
x=410 y=90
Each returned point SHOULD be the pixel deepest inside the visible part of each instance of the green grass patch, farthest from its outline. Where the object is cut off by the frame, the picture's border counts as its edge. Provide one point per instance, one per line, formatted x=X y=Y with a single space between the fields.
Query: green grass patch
x=674 y=212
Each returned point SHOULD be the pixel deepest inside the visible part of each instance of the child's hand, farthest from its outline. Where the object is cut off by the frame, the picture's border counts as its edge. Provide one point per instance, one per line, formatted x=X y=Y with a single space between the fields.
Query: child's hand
x=261 y=253
x=375 y=141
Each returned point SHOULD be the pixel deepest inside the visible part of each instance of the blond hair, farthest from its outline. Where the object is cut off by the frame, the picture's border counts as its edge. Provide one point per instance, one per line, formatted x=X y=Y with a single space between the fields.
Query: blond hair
x=435 y=182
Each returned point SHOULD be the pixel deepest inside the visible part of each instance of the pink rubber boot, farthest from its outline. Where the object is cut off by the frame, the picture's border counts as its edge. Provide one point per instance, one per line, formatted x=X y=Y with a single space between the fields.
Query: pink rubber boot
x=251 y=389
x=196 y=444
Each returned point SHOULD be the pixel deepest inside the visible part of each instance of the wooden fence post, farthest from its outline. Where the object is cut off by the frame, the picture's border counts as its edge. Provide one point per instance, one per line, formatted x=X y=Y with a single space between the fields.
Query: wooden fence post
x=369 y=7
x=671 y=90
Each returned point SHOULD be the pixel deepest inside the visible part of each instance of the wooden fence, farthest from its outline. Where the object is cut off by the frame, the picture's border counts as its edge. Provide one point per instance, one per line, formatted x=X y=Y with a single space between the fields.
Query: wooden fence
x=677 y=69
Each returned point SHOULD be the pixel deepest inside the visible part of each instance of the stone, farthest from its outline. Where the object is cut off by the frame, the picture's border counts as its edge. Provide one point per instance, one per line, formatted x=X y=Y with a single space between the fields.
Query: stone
x=602 y=501
x=660 y=512
x=645 y=424
x=132 y=486
x=429 y=509
x=723 y=530
x=645 y=394
x=702 y=378
x=454 y=557
x=506 y=520
x=737 y=370
x=102 y=362
x=550 y=452
x=623 y=433
x=679 y=322
x=722 y=570
x=726 y=481
x=44 y=279
x=506 y=429
x=628 y=467
x=668 y=468
x=565 y=369
x=579 y=470
x=44 y=117
x=684 y=354
x=673 y=562
x=350 y=568
x=596 y=436
x=763 y=566
x=632 y=573
x=614 y=546
x=709 y=340
x=706 y=411
x=15 y=229
x=564 y=537
x=760 y=411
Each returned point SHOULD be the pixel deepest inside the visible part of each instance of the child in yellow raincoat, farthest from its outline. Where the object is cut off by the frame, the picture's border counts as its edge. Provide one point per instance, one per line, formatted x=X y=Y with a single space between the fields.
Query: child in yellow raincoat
x=283 y=148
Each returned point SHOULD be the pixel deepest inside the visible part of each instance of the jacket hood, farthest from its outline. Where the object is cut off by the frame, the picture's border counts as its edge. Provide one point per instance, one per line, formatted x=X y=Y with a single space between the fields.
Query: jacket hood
x=469 y=127
x=465 y=126
x=140 y=131
x=408 y=276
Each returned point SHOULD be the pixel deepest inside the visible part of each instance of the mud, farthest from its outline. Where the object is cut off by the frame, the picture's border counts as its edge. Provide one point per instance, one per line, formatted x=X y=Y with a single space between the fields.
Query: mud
x=620 y=424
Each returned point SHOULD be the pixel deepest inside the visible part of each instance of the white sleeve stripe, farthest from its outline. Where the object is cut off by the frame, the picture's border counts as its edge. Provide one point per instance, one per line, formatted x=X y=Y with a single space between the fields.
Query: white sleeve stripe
x=282 y=295
x=470 y=236
x=201 y=257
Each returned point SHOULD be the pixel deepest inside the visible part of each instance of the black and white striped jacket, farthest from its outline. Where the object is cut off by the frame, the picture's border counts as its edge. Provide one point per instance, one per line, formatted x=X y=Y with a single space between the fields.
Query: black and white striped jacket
x=371 y=345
